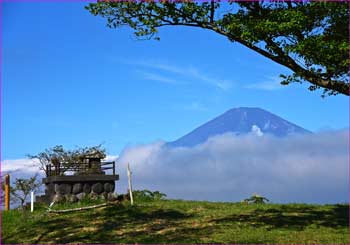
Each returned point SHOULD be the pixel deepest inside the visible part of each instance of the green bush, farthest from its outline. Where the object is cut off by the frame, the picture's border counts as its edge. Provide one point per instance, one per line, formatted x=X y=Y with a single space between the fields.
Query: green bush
x=256 y=199
x=147 y=195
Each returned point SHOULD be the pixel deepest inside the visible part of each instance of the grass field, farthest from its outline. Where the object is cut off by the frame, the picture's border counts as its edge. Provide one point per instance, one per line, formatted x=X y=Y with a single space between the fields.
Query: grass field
x=176 y=221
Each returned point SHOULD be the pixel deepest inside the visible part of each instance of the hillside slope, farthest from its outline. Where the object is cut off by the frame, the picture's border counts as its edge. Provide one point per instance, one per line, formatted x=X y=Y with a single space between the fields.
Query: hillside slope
x=175 y=221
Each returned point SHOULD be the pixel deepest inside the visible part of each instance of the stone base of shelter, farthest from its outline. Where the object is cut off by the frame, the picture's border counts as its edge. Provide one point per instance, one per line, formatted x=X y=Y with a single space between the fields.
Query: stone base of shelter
x=76 y=188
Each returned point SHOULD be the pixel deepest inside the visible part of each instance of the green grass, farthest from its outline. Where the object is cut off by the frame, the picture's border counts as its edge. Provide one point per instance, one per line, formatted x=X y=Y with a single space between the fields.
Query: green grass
x=83 y=203
x=175 y=221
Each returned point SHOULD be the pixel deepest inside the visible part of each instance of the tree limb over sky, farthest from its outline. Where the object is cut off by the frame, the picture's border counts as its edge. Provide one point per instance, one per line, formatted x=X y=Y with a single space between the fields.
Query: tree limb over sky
x=309 y=38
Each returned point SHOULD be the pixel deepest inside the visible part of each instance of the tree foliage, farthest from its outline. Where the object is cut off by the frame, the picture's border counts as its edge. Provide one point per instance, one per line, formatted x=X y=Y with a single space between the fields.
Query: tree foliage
x=23 y=187
x=309 y=38
x=65 y=159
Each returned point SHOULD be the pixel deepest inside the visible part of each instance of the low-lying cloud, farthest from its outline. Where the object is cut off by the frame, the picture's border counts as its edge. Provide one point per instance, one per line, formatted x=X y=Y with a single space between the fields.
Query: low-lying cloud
x=301 y=168
x=20 y=168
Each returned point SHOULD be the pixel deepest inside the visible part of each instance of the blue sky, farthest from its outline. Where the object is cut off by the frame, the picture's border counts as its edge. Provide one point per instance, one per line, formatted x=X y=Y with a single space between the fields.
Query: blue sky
x=68 y=79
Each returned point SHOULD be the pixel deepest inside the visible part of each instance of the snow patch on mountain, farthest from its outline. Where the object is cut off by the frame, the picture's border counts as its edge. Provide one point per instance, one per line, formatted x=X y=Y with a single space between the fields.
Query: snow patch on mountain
x=257 y=131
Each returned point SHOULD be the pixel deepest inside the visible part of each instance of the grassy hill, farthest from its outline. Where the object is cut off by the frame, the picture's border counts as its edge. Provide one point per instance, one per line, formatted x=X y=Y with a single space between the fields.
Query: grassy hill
x=176 y=221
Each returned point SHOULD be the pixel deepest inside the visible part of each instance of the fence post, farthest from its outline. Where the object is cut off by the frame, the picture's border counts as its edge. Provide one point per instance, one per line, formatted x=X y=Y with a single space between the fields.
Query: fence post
x=31 y=201
x=7 y=192
x=130 y=187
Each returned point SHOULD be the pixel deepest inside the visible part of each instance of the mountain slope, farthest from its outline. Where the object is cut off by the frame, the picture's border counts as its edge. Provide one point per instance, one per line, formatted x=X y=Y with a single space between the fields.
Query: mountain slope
x=241 y=120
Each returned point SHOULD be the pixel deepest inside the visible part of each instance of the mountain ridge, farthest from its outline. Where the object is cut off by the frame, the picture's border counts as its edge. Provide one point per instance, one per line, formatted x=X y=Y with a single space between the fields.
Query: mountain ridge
x=240 y=120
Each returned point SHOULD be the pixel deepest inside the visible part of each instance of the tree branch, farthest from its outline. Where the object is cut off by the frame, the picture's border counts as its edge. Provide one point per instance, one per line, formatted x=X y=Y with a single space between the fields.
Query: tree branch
x=212 y=10
x=273 y=50
x=281 y=59
x=306 y=74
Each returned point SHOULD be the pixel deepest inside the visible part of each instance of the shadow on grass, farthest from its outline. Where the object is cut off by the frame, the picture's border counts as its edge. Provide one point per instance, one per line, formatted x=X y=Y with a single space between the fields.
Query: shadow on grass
x=137 y=225
x=114 y=224
x=124 y=224
x=293 y=217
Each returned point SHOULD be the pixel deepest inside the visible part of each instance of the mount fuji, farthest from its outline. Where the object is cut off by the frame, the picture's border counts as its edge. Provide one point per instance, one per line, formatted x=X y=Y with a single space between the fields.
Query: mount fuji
x=240 y=121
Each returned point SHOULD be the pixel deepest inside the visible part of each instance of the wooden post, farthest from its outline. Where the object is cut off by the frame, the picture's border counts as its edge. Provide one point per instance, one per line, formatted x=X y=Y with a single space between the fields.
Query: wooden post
x=31 y=201
x=130 y=187
x=7 y=192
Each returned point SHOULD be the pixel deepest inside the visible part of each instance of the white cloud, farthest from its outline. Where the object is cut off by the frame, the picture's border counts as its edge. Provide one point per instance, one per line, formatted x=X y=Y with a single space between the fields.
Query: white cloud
x=256 y=131
x=9 y=166
x=271 y=83
x=308 y=168
x=187 y=73
x=222 y=84
x=195 y=106
x=157 y=77
x=301 y=168
x=111 y=158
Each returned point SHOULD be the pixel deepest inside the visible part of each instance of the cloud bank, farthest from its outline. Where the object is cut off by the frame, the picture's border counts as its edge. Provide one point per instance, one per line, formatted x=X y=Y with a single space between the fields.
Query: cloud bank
x=20 y=168
x=299 y=168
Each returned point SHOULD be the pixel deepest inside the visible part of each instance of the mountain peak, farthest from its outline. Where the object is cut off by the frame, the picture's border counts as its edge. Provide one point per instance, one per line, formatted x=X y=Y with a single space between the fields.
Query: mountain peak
x=245 y=109
x=240 y=120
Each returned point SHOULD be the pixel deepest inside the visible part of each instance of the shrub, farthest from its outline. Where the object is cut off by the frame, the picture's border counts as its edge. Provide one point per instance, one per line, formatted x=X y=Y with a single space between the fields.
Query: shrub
x=256 y=199
x=146 y=195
